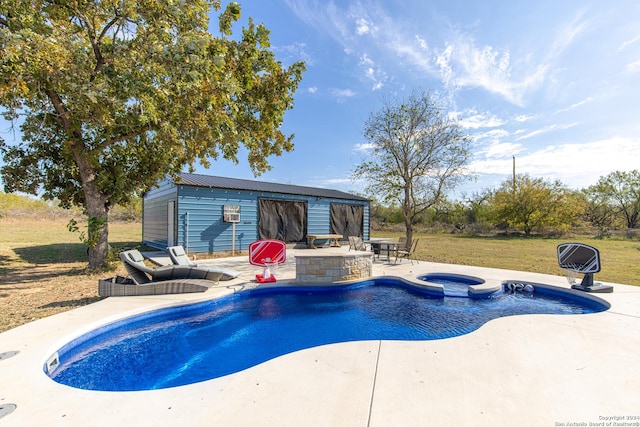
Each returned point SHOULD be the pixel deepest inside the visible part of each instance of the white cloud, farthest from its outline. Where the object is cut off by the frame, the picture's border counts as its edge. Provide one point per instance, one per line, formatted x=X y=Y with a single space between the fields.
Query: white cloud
x=365 y=60
x=341 y=94
x=628 y=42
x=566 y=35
x=363 y=26
x=524 y=117
x=422 y=43
x=472 y=119
x=633 y=67
x=312 y=89
x=295 y=52
x=492 y=135
x=545 y=129
x=576 y=105
x=575 y=165
x=364 y=147
x=463 y=64
x=500 y=150
x=372 y=72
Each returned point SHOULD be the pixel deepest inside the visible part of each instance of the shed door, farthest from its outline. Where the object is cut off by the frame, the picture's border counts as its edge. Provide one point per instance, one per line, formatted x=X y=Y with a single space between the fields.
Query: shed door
x=347 y=220
x=284 y=220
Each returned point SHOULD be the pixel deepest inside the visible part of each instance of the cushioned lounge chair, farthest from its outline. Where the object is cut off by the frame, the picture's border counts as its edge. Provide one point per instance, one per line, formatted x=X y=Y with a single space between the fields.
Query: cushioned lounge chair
x=169 y=279
x=179 y=257
x=143 y=280
x=125 y=286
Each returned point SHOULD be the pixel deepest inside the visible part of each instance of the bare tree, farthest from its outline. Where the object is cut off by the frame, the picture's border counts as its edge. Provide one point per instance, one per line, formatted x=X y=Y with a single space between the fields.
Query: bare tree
x=417 y=153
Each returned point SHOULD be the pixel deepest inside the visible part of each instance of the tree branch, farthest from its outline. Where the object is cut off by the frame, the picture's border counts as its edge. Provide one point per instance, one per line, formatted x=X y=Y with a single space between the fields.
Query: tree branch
x=126 y=136
x=58 y=105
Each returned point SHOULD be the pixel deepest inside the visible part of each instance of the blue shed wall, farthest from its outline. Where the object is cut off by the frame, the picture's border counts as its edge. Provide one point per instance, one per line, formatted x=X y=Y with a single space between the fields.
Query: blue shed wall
x=200 y=219
x=199 y=216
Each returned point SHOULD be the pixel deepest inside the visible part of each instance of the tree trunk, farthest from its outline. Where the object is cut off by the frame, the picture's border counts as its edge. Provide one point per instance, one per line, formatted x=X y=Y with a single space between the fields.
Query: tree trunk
x=97 y=233
x=97 y=208
x=409 y=230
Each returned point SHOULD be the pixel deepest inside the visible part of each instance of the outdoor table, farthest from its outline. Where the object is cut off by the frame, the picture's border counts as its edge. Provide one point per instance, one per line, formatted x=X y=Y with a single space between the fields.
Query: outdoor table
x=383 y=246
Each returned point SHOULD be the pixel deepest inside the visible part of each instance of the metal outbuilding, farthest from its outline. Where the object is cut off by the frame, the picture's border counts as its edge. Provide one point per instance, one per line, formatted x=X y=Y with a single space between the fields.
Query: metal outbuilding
x=209 y=213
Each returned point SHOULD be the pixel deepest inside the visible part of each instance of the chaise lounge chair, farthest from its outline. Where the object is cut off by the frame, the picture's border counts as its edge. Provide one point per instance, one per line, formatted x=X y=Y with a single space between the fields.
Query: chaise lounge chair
x=170 y=279
x=179 y=257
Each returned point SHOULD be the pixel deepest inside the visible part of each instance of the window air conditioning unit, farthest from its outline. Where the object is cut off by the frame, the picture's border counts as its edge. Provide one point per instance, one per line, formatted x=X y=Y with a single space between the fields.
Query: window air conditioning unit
x=232 y=217
x=231 y=213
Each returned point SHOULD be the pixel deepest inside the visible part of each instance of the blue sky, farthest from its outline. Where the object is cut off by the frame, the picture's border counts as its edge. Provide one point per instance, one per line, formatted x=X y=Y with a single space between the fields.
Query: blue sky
x=554 y=83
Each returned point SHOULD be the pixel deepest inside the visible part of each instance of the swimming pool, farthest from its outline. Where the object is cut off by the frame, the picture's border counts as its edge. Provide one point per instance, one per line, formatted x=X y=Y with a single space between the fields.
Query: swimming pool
x=187 y=344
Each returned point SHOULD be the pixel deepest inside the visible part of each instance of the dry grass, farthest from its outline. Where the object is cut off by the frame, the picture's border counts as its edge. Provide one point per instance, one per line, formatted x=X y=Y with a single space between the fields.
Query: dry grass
x=619 y=257
x=43 y=268
x=42 y=265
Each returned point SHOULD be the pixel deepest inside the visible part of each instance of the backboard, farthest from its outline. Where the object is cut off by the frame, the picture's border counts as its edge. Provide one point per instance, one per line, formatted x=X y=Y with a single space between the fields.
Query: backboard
x=266 y=253
x=579 y=257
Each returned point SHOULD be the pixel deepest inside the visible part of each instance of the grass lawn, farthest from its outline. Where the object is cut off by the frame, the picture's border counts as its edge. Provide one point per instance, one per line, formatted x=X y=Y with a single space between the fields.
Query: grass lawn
x=619 y=258
x=43 y=265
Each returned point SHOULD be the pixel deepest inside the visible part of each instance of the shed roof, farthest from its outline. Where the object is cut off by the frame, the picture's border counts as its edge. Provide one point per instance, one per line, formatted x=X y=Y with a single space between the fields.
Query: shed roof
x=208 y=181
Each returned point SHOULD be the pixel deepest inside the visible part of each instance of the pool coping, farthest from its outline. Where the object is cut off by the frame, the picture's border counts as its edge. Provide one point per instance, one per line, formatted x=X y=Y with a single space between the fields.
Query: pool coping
x=524 y=370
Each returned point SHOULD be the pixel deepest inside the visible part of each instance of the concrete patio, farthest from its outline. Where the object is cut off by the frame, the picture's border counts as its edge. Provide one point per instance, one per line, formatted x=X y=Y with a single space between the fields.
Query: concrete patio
x=534 y=370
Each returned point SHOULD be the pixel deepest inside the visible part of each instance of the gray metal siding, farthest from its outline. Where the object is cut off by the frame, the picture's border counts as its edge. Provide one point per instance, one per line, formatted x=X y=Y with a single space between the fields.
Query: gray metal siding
x=154 y=214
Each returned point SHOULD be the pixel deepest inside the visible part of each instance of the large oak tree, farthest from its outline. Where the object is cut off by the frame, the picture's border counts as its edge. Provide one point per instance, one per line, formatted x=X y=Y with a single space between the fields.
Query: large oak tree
x=113 y=95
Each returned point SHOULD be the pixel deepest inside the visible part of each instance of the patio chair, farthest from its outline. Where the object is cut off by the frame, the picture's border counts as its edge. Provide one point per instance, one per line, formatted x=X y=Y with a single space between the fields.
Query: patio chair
x=408 y=251
x=402 y=243
x=357 y=244
x=179 y=257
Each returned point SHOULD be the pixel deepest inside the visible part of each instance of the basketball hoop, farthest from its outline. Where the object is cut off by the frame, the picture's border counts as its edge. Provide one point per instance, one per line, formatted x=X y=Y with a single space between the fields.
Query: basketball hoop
x=578 y=258
x=268 y=254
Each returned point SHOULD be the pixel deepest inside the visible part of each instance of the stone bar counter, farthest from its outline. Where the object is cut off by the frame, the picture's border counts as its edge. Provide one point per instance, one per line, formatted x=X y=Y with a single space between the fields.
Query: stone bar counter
x=329 y=268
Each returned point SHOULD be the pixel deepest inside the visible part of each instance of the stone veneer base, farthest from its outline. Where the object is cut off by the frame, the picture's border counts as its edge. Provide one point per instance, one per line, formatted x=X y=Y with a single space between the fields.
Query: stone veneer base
x=333 y=268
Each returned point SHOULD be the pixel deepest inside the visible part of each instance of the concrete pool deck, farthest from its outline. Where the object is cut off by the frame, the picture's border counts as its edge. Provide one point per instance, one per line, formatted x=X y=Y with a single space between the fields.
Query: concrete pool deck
x=533 y=370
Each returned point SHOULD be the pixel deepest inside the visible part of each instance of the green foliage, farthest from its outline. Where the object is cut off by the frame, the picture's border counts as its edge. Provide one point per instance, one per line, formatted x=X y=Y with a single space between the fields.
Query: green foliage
x=24 y=206
x=615 y=198
x=94 y=227
x=115 y=95
x=533 y=204
x=131 y=211
x=384 y=215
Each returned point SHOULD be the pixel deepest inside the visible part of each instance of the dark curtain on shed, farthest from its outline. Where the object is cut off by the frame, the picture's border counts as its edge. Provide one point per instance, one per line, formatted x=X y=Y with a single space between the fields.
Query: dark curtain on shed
x=284 y=220
x=347 y=220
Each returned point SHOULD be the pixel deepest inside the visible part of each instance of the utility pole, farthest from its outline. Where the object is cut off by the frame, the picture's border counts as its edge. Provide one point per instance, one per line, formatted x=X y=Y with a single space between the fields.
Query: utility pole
x=514 y=174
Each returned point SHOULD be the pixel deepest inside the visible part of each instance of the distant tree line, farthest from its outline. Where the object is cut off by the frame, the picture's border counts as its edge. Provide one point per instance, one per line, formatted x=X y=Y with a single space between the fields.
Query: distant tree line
x=530 y=205
x=22 y=206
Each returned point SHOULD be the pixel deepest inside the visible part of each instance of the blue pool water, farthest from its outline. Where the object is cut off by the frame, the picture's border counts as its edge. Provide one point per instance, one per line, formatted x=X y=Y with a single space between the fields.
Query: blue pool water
x=187 y=344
